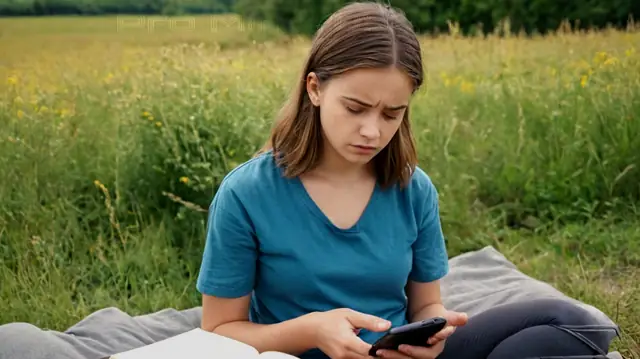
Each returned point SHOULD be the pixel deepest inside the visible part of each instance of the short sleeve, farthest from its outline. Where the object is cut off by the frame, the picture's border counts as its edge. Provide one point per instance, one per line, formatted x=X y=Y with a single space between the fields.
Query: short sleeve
x=430 y=258
x=230 y=252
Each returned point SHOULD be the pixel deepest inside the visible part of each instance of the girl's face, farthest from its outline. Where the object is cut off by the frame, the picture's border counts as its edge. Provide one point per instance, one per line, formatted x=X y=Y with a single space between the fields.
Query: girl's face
x=360 y=111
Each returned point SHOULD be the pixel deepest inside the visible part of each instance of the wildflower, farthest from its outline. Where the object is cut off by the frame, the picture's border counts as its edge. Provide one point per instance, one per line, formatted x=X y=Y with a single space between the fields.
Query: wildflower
x=583 y=80
x=158 y=124
x=600 y=57
x=108 y=78
x=20 y=114
x=184 y=179
x=445 y=79
x=100 y=185
x=12 y=80
x=467 y=87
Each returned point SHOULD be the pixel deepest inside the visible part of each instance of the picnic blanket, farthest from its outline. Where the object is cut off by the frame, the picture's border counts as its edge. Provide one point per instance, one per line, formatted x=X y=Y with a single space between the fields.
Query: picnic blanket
x=477 y=281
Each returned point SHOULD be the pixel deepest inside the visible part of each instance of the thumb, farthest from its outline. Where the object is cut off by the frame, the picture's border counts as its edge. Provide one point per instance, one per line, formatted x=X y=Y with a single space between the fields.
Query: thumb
x=366 y=321
x=456 y=318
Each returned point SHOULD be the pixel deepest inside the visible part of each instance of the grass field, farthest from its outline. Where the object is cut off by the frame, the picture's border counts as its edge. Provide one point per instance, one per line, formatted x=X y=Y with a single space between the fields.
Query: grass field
x=116 y=131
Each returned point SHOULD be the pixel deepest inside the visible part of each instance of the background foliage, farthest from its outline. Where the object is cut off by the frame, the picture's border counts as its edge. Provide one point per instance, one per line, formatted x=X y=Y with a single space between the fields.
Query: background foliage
x=304 y=16
x=99 y=7
x=471 y=16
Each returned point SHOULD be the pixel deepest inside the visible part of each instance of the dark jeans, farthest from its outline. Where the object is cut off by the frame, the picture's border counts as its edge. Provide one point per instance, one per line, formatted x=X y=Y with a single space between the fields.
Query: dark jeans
x=538 y=329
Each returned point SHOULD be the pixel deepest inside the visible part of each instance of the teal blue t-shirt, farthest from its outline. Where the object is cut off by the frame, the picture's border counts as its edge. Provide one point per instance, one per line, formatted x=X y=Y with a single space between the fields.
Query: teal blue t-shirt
x=266 y=236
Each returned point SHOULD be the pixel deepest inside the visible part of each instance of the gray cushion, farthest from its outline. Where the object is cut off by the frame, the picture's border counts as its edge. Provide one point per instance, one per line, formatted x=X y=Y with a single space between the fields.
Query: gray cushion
x=482 y=279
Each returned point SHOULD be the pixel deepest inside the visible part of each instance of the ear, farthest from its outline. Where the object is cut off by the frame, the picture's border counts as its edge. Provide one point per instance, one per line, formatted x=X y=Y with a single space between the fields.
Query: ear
x=313 y=88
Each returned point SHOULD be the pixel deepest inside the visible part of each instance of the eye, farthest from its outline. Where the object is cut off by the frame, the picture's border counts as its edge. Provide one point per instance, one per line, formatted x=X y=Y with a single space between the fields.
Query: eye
x=389 y=117
x=353 y=110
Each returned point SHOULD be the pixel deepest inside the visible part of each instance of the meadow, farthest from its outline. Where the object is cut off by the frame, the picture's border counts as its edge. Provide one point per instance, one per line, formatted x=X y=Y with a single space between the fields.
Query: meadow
x=115 y=132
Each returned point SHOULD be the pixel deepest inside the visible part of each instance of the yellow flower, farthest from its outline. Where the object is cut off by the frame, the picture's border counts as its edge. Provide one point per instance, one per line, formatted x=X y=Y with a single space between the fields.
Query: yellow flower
x=100 y=185
x=108 y=78
x=12 y=80
x=583 y=80
x=467 y=87
x=184 y=179
x=600 y=57
x=20 y=114
x=158 y=124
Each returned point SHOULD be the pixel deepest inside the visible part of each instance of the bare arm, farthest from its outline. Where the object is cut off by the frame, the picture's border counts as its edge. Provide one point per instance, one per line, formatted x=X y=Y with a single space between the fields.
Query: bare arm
x=229 y=317
x=424 y=300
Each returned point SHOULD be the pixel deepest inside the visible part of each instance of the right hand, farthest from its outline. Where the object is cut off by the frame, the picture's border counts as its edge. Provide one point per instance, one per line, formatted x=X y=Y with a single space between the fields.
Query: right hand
x=334 y=332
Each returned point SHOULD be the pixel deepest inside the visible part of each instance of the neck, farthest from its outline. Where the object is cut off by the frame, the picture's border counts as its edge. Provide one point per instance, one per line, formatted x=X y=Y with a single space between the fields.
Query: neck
x=334 y=166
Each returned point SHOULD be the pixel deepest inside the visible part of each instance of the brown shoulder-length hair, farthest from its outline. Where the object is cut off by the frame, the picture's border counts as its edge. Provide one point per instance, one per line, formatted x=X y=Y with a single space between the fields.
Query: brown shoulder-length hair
x=359 y=35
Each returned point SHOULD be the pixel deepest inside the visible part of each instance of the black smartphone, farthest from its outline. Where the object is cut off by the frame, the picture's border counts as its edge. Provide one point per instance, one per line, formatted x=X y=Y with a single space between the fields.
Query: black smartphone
x=415 y=334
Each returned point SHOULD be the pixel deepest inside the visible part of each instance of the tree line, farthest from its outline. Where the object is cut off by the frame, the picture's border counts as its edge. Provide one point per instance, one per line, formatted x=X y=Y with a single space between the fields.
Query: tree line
x=470 y=16
x=108 y=7
x=304 y=16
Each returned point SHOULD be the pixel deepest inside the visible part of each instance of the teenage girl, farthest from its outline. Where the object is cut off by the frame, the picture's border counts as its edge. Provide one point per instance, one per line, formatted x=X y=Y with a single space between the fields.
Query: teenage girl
x=331 y=235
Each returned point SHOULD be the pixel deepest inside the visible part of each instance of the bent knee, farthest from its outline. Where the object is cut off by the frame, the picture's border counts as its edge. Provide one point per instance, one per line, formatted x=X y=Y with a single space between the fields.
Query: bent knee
x=565 y=313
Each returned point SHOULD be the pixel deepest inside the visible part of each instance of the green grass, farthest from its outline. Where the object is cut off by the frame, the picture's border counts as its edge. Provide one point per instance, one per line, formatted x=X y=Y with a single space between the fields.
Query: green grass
x=112 y=147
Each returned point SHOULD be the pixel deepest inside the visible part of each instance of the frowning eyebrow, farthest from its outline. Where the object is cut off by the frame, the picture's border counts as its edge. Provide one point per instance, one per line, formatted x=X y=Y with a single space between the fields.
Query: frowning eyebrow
x=360 y=102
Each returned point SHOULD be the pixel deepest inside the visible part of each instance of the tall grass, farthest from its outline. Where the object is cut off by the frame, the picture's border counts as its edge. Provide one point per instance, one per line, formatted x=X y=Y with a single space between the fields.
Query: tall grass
x=113 y=145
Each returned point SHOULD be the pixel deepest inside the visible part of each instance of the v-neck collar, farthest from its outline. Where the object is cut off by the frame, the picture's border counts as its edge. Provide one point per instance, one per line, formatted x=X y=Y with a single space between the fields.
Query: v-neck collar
x=315 y=209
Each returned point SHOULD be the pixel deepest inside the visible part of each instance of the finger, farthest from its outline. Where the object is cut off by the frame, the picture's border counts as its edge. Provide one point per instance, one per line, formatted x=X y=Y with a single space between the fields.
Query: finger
x=358 y=355
x=416 y=352
x=456 y=319
x=358 y=346
x=393 y=354
x=354 y=355
x=366 y=321
x=441 y=335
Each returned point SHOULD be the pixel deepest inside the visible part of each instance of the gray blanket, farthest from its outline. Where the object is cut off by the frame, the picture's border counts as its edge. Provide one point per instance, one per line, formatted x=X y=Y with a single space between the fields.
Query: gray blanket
x=477 y=281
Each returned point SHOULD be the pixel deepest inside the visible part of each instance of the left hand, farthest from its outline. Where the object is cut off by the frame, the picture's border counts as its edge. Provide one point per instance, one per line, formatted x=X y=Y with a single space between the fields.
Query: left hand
x=454 y=319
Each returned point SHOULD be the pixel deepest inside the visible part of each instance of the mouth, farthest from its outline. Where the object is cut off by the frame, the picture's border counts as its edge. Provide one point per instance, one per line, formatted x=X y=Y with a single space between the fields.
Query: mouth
x=364 y=149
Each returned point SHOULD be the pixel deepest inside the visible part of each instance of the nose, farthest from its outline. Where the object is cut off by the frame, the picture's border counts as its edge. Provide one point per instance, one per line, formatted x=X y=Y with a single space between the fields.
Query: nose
x=369 y=128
